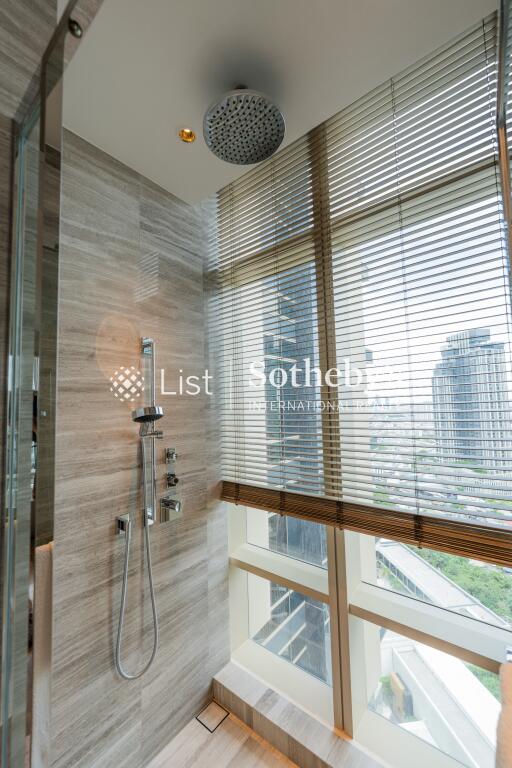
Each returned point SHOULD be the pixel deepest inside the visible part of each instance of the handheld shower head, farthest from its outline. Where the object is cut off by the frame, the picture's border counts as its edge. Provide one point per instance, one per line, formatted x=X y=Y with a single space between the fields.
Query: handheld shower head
x=147 y=413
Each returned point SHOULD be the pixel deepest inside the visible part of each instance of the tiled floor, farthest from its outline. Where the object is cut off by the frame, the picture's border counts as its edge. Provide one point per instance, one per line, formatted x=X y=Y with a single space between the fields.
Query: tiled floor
x=231 y=745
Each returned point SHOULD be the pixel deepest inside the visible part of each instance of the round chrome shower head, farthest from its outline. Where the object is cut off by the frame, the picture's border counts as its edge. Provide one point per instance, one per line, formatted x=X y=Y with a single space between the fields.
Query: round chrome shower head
x=147 y=413
x=243 y=127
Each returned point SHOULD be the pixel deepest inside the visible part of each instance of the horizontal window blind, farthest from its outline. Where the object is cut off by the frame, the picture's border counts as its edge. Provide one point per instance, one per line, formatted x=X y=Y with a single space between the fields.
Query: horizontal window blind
x=422 y=308
x=265 y=315
x=372 y=250
x=455 y=536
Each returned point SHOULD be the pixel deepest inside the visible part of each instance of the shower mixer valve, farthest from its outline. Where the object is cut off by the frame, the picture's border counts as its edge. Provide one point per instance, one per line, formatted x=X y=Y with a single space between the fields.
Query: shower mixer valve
x=171 y=478
x=170 y=507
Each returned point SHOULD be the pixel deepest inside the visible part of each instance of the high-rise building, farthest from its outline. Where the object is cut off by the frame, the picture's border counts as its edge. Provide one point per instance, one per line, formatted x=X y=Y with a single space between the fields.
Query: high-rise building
x=292 y=421
x=471 y=400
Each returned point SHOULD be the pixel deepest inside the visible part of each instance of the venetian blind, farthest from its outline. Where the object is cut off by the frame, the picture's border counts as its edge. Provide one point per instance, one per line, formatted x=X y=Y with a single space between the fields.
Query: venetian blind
x=373 y=249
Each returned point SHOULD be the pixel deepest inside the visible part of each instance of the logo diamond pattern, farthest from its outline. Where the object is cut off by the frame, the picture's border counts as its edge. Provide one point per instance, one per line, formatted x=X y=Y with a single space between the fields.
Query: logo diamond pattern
x=127 y=384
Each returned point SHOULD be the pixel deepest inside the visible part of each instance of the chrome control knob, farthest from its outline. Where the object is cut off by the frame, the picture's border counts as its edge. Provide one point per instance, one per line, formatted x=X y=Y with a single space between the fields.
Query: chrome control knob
x=170 y=509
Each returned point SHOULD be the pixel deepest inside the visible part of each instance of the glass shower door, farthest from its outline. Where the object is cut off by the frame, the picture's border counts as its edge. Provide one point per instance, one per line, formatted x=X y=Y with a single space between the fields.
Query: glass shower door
x=26 y=529
x=21 y=452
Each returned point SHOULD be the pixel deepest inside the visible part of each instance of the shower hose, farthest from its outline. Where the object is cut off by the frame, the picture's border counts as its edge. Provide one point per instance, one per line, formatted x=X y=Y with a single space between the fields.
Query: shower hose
x=119 y=665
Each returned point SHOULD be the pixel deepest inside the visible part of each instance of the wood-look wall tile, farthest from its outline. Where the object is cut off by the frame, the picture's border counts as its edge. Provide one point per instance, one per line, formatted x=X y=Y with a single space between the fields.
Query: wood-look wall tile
x=178 y=226
x=25 y=29
x=131 y=265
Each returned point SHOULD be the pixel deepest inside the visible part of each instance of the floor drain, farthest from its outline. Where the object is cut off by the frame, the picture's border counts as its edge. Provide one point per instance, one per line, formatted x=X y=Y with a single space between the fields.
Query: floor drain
x=212 y=716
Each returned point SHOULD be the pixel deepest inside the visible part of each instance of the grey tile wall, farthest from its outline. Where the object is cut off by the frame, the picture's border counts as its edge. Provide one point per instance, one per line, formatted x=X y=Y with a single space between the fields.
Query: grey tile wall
x=131 y=264
x=25 y=30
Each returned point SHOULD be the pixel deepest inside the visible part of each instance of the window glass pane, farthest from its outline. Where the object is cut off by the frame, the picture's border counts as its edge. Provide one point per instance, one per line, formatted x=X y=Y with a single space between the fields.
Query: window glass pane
x=469 y=587
x=271 y=408
x=452 y=705
x=426 y=421
x=291 y=625
x=290 y=536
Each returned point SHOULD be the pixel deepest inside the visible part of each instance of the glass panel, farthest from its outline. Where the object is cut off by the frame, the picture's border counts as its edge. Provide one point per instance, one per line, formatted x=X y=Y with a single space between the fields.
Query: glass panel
x=21 y=450
x=300 y=539
x=469 y=587
x=452 y=705
x=291 y=625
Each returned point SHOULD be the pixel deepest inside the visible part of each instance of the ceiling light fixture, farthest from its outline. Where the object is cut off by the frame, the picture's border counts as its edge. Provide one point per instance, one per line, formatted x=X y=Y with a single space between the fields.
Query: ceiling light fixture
x=187 y=135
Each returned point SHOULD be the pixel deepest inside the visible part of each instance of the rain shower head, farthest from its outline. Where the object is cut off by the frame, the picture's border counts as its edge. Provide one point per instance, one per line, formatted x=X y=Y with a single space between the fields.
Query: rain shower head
x=243 y=127
x=147 y=413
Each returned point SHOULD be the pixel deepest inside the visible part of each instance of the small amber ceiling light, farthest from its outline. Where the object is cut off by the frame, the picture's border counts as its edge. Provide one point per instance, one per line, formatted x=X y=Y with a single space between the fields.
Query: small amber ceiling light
x=187 y=135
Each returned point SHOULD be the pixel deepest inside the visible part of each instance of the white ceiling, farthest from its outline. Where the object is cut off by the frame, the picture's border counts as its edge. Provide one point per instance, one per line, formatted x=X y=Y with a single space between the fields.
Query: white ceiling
x=146 y=68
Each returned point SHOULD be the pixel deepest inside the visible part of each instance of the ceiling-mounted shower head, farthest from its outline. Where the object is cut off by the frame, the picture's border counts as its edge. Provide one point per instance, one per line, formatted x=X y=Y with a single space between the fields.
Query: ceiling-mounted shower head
x=243 y=127
x=147 y=413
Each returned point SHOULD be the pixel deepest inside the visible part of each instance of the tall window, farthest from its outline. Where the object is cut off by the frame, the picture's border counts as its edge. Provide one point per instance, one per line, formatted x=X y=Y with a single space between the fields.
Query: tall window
x=429 y=428
x=363 y=330
x=364 y=304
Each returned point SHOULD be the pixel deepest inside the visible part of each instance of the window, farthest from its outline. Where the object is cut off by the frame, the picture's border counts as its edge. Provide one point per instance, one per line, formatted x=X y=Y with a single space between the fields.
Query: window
x=435 y=697
x=424 y=654
x=429 y=428
x=300 y=539
x=470 y=587
x=363 y=308
x=273 y=423
x=281 y=606
x=291 y=625
x=363 y=334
